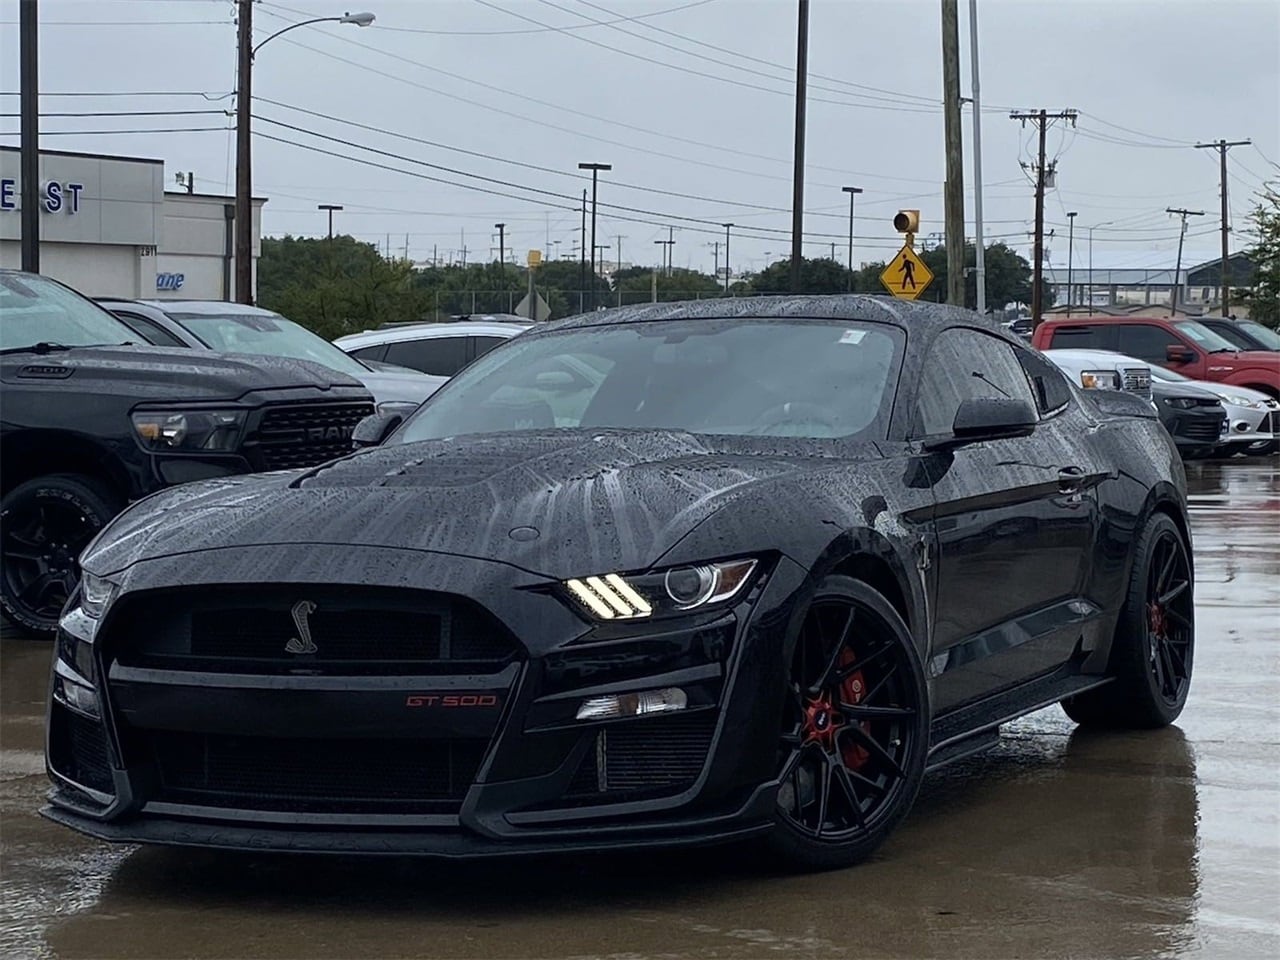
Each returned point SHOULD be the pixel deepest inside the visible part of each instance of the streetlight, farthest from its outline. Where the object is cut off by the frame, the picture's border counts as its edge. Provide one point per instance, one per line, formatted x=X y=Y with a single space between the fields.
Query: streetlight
x=329 y=207
x=853 y=193
x=244 y=94
x=1071 y=239
x=1104 y=223
x=595 y=169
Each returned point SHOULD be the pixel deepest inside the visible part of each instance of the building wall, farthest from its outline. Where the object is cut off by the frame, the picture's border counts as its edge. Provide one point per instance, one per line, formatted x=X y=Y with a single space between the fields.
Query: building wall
x=190 y=264
x=95 y=270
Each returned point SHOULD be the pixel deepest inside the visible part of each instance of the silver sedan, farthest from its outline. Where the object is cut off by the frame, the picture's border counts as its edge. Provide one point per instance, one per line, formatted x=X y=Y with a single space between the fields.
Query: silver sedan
x=1253 y=418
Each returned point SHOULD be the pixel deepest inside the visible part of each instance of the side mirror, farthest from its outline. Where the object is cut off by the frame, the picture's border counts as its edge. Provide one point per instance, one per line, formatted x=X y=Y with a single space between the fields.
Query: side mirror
x=372 y=430
x=989 y=418
x=1176 y=353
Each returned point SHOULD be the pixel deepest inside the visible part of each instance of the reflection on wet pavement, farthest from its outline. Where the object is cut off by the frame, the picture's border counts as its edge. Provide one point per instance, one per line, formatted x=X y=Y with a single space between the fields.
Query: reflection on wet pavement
x=1057 y=843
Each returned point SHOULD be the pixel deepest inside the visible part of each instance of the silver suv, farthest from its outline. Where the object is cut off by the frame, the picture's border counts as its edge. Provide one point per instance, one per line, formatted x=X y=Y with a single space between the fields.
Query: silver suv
x=436 y=349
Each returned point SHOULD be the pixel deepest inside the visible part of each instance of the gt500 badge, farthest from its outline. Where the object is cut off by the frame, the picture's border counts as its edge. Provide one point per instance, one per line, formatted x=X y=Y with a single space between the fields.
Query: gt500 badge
x=451 y=700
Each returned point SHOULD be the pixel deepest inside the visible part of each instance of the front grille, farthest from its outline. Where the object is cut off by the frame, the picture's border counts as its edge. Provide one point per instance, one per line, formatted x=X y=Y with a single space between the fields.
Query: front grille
x=643 y=758
x=78 y=750
x=351 y=631
x=1137 y=380
x=315 y=776
x=1270 y=423
x=304 y=435
x=1208 y=429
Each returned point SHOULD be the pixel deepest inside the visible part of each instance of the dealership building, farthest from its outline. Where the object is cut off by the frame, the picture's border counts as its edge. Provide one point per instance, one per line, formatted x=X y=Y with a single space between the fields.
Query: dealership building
x=109 y=228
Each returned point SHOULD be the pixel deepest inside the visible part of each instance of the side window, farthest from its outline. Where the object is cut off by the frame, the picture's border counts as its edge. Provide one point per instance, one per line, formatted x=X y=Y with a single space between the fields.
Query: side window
x=1098 y=336
x=966 y=364
x=150 y=331
x=438 y=356
x=1146 y=342
x=370 y=353
x=1047 y=382
x=483 y=345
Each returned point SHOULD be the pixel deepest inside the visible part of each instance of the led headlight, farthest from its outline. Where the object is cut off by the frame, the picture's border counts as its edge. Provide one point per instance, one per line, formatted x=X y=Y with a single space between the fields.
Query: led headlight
x=662 y=592
x=1181 y=403
x=1099 y=380
x=214 y=431
x=96 y=594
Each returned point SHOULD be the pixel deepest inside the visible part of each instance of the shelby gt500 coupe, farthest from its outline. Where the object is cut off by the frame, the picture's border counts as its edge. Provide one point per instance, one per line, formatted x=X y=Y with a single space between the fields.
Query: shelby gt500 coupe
x=671 y=574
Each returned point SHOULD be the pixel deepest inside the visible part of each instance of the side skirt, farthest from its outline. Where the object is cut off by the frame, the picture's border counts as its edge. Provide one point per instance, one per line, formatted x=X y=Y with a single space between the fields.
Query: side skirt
x=975 y=727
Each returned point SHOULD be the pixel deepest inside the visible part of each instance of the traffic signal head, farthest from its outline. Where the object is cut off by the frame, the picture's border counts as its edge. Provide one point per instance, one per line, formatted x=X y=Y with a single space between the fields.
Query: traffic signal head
x=907 y=221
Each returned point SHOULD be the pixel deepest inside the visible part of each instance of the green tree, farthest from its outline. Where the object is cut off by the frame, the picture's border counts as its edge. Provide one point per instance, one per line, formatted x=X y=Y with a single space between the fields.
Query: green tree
x=817 y=276
x=1263 y=299
x=1008 y=276
x=636 y=285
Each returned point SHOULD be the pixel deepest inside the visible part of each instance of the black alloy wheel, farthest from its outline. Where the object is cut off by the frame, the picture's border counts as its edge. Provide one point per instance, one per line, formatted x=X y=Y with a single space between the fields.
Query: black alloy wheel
x=44 y=526
x=1154 y=646
x=855 y=729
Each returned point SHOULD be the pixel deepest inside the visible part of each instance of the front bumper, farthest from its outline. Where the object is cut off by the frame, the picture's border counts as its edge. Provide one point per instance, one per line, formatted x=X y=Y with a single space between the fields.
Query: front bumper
x=193 y=756
x=1253 y=431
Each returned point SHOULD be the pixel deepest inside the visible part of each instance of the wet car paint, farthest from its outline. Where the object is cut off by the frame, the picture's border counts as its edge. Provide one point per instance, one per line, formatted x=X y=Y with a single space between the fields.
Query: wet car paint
x=1056 y=843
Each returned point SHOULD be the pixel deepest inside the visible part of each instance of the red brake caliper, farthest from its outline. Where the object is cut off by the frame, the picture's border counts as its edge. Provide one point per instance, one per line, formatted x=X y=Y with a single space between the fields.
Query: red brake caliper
x=852 y=689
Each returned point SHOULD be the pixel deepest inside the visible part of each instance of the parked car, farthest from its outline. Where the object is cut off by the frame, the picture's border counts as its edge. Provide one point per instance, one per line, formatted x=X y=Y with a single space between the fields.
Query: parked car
x=786 y=555
x=438 y=349
x=1253 y=418
x=1194 y=417
x=1184 y=346
x=238 y=328
x=90 y=422
x=1243 y=334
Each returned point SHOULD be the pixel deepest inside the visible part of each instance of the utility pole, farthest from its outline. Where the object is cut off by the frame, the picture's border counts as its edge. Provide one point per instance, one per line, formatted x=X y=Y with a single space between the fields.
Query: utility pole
x=1222 y=146
x=1071 y=242
x=502 y=249
x=244 y=183
x=619 y=237
x=1177 y=271
x=716 y=253
x=582 y=255
x=727 y=271
x=595 y=169
x=330 y=207
x=954 y=193
x=853 y=195
x=979 y=244
x=29 y=132
x=1040 y=118
x=667 y=252
x=797 y=190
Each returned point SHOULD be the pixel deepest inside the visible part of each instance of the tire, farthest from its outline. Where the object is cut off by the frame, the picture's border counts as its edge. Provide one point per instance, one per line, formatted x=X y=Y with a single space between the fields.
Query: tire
x=44 y=525
x=1153 y=651
x=855 y=730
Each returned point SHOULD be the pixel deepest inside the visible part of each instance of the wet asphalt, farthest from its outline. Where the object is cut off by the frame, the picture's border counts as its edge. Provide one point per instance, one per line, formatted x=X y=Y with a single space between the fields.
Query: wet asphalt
x=1056 y=844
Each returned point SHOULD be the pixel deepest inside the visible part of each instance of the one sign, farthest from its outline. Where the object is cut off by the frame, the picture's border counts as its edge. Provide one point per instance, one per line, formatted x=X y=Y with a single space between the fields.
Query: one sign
x=55 y=196
x=170 y=281
x=544 y=308
x=906 y=276
x=535 y=258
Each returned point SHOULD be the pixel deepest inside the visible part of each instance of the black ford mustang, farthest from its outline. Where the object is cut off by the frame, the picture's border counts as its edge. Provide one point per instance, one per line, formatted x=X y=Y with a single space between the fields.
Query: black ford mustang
x=673 y=574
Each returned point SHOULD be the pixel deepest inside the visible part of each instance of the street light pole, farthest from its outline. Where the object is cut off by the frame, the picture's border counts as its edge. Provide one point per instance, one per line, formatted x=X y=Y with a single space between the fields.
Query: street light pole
x=853 y=195
x=244 y=163
x=1071 y=240
x=595 y=169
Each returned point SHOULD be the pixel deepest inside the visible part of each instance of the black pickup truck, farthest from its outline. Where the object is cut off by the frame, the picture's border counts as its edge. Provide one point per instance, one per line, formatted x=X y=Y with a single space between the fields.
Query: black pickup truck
x=90 y=422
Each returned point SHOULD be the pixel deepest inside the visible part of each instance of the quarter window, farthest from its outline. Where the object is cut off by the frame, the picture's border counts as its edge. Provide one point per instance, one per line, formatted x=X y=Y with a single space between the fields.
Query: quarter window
x=964 y=365
x=1047 y=382
x=1097 y=336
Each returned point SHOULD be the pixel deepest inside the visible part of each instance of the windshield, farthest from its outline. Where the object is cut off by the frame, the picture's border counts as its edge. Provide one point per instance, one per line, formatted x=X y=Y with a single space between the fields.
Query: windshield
x=1264 y=335
x=35 y=310
x=1205 y=338
x=269 y=334
x=1167 y=376
x=743 y=377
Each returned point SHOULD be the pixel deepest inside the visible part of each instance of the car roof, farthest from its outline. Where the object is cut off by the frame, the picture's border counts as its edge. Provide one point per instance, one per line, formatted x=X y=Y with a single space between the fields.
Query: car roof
x=1086 y=355
x=1065 y=321
x=431 y=330
x=846 y=306
x=212 y=308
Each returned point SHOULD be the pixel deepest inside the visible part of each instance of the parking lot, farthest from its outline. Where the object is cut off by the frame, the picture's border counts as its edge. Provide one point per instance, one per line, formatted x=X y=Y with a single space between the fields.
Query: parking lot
x=1057 y=843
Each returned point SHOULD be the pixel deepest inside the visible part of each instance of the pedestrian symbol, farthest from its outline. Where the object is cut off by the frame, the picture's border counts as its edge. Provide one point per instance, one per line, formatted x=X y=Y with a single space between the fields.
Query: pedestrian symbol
x=906 y=275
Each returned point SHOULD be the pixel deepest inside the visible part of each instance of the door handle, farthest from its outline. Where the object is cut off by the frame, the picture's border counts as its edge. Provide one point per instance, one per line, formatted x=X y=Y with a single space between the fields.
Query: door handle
x=1070 y=479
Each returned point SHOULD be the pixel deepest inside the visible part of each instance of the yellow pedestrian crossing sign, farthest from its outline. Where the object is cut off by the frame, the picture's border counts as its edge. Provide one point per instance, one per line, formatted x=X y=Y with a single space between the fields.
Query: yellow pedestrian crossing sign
x=906 y=276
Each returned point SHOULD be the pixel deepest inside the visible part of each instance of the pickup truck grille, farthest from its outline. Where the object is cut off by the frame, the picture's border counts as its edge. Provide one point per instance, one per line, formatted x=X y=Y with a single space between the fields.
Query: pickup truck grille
x=304 y=435
x=1137 y=380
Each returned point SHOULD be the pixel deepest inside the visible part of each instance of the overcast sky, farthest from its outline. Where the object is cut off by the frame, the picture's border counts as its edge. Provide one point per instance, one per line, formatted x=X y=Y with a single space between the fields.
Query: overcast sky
x=687 y=97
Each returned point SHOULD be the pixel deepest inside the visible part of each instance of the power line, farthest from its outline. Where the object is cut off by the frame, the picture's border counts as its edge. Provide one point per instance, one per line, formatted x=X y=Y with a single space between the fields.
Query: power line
x=125 y=113
x=100 y=133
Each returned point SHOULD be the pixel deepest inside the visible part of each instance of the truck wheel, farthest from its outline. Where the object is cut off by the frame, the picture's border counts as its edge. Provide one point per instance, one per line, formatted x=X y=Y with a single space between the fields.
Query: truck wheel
x=1151 y=656
x=44 y=525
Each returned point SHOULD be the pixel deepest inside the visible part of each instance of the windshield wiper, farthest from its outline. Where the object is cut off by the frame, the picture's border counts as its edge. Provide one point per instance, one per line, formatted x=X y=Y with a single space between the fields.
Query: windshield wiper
x=44 y=346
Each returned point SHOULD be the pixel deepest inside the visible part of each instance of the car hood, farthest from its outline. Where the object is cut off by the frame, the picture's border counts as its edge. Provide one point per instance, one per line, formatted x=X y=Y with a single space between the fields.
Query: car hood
x=410 y=387
x=554 y=505
x=163 y=373
x=1179 y=388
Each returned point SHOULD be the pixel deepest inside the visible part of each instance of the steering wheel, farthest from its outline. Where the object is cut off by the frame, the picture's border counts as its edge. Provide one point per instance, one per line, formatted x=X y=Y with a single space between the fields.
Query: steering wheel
x=794 y=412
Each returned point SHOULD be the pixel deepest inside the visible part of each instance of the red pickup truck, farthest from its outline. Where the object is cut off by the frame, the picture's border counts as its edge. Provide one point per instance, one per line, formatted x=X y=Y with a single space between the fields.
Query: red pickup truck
x=1175 y=343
